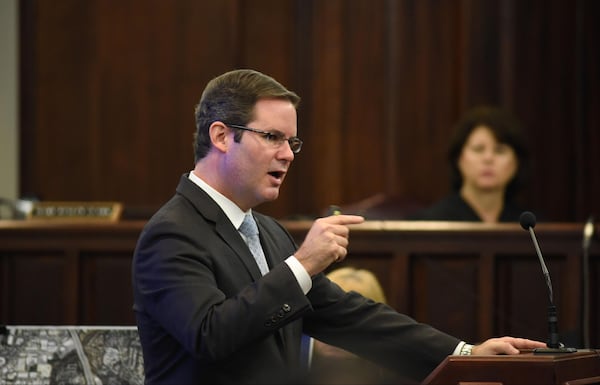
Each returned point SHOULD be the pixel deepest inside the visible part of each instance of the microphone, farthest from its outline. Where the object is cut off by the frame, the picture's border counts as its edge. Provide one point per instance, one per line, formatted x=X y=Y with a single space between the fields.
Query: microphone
x=588 y=233
x=528 y=220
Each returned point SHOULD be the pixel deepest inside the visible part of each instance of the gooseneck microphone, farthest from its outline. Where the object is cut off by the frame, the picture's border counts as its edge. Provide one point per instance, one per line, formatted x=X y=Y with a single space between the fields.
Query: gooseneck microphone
x=588 y=233
x=528 y=220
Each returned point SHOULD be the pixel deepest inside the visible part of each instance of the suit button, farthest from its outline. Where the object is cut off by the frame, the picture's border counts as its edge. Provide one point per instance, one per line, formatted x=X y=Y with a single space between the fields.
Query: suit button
x=286 y=308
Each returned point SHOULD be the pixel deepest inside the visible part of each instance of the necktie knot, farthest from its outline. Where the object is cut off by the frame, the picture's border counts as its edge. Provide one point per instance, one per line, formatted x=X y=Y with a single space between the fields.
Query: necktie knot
x=248 y=226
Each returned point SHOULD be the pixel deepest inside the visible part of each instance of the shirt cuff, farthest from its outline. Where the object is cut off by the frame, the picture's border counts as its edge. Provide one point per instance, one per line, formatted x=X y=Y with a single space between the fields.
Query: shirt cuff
x=300 y=273
x=463 y=349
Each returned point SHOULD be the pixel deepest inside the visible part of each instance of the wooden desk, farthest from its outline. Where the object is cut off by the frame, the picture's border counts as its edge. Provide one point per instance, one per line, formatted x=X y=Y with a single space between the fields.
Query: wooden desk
x=472 y=280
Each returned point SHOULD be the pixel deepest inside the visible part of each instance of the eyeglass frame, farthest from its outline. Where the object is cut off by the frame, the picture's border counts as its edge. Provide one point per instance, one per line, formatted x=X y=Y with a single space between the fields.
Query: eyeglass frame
x=293 y=141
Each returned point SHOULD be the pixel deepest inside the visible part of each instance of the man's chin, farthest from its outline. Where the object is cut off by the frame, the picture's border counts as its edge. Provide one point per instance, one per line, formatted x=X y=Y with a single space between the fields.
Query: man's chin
x=271 y=194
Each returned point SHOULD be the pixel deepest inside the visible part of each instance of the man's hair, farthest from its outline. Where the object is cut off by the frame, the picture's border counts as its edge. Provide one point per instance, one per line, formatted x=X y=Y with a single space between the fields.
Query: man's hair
x=230 y=98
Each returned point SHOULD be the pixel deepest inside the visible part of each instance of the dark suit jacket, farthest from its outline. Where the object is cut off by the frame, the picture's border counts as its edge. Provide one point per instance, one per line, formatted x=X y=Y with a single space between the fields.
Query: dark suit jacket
x=205 y=314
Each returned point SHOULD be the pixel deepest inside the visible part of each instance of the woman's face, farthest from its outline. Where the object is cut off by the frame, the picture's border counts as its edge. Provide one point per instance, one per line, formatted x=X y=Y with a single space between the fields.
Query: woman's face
x=484 y=163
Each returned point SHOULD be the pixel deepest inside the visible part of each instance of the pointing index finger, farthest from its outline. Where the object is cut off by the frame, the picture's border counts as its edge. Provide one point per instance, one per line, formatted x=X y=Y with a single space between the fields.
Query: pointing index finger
x=344 y=219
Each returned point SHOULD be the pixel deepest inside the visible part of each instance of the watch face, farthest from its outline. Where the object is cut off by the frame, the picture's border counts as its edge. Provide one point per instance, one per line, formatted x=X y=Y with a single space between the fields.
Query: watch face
x=466 y=350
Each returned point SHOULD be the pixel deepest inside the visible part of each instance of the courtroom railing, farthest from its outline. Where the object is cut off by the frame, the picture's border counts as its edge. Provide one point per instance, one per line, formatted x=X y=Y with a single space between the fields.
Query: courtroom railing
x=472 y=280
x=479 y=280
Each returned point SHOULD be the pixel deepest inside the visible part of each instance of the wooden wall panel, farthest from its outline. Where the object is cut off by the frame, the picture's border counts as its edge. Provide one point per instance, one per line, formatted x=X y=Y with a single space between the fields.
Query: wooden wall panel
x=363 y=125
x=587 y=112
x=471 y=280
x=521 y=286
x=320 y=48
x=546 y=76
x=487 y=283
x=108 y=92
x=42 y=287
x=106 y=289
x=67 y=272
x=428 y=90
x=444 y=290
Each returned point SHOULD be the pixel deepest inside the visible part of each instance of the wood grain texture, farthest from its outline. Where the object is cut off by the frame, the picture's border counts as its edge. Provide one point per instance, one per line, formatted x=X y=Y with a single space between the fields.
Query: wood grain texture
x=108 y=91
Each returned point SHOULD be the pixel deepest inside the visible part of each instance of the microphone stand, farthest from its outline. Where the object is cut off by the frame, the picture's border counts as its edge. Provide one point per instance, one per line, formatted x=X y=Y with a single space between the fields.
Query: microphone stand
x=588 y=233
x=554 y=346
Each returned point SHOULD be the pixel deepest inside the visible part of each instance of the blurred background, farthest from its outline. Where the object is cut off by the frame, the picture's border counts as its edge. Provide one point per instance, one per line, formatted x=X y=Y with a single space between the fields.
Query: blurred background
x=98 y=96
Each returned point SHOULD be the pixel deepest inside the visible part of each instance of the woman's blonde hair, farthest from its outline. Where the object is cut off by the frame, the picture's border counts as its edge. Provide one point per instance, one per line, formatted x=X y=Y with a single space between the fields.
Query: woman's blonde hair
x=359 y=280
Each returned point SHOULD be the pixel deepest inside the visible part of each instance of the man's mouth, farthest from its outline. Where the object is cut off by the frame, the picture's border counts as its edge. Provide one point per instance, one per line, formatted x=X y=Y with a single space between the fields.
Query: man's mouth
x=277 y=174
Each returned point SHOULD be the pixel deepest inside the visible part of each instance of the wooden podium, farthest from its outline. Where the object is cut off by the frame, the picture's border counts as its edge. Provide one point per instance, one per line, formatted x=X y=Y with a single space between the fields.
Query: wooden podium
x=579 y=368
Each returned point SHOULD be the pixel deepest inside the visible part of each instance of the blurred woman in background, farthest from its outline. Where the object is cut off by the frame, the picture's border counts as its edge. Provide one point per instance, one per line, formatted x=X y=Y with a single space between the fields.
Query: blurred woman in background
x=488 y=160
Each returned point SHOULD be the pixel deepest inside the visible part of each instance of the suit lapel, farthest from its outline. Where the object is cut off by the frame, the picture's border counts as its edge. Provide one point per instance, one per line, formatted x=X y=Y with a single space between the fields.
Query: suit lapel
x=211 y=211
x=233 y=238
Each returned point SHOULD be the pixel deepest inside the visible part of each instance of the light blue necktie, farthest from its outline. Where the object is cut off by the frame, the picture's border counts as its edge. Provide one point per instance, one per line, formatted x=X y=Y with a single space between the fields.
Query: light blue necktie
x=249 y=229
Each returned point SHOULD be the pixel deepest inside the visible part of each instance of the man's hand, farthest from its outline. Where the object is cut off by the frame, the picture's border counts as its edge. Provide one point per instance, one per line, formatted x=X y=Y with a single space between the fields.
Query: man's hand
x=326 y=242
x=505 y=345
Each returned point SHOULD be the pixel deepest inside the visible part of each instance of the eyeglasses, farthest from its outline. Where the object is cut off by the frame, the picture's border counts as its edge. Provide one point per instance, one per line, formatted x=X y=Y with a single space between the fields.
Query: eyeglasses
x=276 y=139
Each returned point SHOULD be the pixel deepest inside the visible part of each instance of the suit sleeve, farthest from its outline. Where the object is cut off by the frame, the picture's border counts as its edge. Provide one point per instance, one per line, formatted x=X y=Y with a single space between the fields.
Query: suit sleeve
x=375 y=331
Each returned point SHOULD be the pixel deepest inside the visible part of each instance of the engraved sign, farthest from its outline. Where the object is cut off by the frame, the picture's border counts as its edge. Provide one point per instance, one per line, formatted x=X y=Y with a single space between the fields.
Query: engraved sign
x=110 y=211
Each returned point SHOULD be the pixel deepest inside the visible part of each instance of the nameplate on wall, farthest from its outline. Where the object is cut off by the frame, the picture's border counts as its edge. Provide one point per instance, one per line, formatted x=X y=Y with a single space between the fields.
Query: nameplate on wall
x=109 y=211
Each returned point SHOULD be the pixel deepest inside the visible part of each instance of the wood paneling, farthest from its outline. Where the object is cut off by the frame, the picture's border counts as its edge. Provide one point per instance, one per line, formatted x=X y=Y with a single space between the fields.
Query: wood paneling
x=105 y=279
x=469 y=279
x=108 y=91
x=67 y=273
x=475 y=280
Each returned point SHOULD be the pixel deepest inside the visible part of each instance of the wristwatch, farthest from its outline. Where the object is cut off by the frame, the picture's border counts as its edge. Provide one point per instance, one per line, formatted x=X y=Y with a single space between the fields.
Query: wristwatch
x=466 y=350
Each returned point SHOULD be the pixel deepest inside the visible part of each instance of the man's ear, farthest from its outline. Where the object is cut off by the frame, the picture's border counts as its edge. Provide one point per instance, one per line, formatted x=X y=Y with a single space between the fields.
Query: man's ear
x=219 y=135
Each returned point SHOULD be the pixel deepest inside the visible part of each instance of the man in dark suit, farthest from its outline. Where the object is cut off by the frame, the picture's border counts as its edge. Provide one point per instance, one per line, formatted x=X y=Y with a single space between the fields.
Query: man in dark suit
x=206 y=314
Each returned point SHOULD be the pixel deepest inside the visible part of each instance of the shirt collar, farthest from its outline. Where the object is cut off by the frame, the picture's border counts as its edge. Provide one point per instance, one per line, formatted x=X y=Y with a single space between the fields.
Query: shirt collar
x=233 y=212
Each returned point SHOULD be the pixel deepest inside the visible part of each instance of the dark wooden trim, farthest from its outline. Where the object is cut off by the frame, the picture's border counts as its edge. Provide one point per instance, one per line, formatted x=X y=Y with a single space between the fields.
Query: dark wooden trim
x=473 y=280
